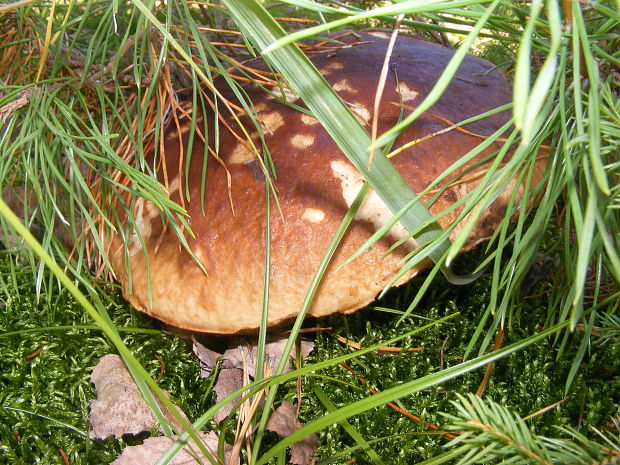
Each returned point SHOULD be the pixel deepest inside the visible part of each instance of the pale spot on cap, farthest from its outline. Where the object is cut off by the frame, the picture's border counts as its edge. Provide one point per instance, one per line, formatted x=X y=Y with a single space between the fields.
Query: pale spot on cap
x=174 y=184
x=406 y=92
x=302 y=141
x=372 y=208
x=289 y=95
x=261 y=107
x=344 y=86
x=309 y=120
x=380 y=35
x=240 y=154
x=361 y=113
x=335 y=65
x=185 y=127
x=313 y=215
x=272 y=121
x=144 y=212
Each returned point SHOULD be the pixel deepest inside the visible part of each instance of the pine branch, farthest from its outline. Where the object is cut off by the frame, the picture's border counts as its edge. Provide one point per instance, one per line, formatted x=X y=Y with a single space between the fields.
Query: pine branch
x=491 y=432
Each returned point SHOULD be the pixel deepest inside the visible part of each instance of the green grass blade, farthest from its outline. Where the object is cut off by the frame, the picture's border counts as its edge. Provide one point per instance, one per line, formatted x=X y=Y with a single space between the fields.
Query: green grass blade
x=405 y=389
x=521 y=89
x=407 y=7
x=331 y=111
x=110 y=331
x=351 y=431
x=443 y=81
x=529 y=117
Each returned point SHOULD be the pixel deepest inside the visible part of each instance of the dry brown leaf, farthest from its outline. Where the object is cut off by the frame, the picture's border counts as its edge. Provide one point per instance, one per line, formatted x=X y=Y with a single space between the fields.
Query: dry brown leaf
x=231 y=375
x=228 y=381
x=119 y=408
x=206 y=357
x=151 y=450
x=241 y=349
x=284 y=422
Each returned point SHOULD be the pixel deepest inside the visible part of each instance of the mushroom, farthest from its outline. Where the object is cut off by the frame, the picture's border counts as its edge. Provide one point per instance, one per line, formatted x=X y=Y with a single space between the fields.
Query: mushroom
x=315 y=186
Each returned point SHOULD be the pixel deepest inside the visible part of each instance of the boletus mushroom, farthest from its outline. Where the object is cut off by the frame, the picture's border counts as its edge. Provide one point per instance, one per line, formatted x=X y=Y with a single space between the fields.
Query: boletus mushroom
x=315 y=185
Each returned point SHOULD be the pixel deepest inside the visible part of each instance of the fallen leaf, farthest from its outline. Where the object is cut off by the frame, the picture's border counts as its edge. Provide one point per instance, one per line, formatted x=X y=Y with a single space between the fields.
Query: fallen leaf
x=152 y=449
x=284 y=422
x=22 y=100
x=228 y=381
x=233 y=357
x=119 y=408
x=245 y=348
x=242 y=349
x=206 y=357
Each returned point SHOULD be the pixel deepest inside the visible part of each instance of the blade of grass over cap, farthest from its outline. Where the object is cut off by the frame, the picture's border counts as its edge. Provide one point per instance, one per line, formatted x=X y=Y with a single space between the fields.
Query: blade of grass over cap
x=592 y=68
x=406 y=7
x=335 y=117
x=443 y=82
x=521 y=90
x=528 y=112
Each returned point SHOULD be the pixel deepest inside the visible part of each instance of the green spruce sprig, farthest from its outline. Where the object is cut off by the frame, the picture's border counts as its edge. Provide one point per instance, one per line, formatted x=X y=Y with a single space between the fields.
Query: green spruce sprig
x=489 y=432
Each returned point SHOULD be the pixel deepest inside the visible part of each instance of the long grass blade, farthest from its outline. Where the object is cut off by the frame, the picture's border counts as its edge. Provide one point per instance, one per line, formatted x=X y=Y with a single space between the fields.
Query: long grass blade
x=331 y=111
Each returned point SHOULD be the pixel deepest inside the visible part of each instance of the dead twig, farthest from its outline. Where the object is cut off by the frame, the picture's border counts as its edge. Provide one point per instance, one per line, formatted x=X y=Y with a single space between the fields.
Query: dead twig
x=22 y=100
x=487 y=373
x=357 y=346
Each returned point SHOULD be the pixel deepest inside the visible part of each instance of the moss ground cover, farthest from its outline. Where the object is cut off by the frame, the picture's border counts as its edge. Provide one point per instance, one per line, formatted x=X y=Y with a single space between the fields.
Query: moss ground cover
x=48 y=348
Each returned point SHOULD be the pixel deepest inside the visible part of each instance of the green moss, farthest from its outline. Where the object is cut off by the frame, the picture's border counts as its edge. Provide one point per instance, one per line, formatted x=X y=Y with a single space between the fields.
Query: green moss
x=46 y=372
x=525 y=382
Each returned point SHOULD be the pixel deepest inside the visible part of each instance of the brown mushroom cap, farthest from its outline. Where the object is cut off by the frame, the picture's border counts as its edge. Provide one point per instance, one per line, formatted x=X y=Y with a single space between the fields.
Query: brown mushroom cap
x=315 y=186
